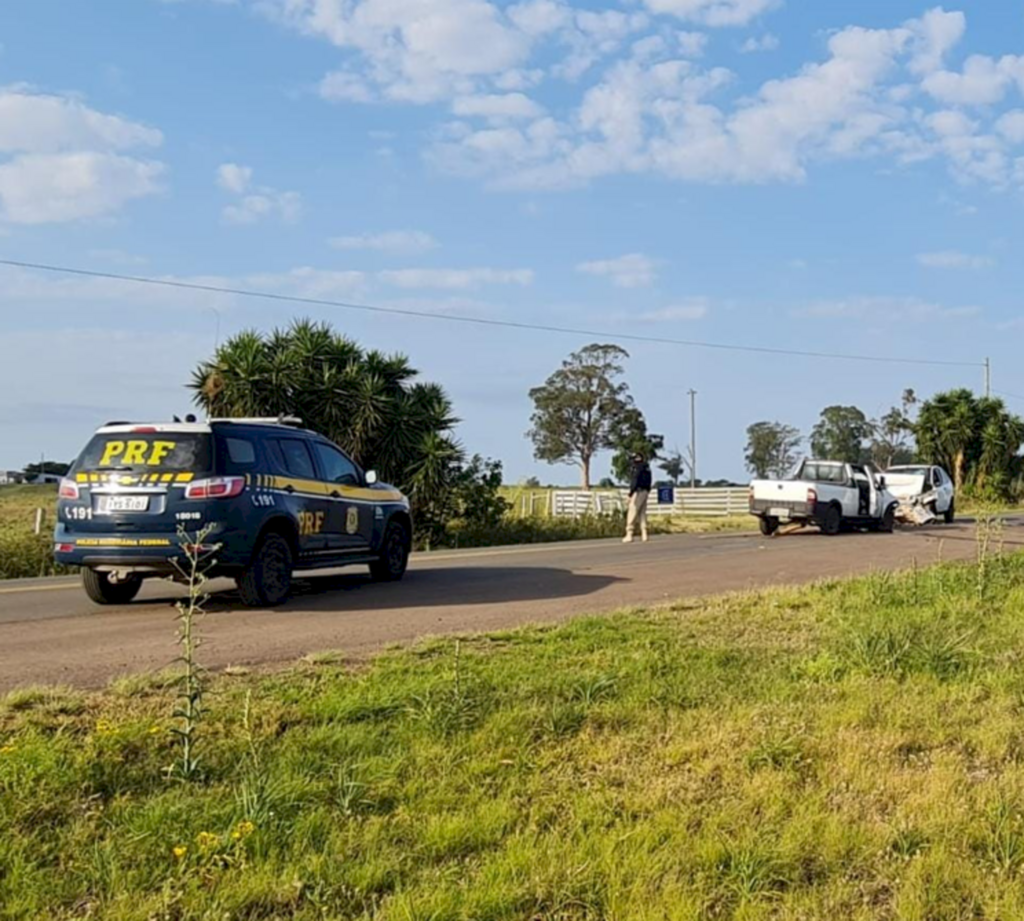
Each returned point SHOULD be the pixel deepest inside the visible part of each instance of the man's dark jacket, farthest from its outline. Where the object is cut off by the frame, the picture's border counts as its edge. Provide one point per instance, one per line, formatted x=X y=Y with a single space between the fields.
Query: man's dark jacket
x=640 y=481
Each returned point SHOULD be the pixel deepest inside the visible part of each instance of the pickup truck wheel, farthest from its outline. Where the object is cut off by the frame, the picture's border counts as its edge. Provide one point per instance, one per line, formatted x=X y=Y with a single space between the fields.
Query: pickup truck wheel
x=268 y=579
x=390 y=566
x=888 y=523
x=768 y=525
x=103 y=590
x=832 y=521
x=949 y=516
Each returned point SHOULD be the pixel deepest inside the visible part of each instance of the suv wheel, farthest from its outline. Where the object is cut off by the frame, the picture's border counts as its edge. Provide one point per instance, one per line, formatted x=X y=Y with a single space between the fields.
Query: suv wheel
x=768 y=525
x=949 y=516
x=394 y=555
x=104 y=590
x=268 y=580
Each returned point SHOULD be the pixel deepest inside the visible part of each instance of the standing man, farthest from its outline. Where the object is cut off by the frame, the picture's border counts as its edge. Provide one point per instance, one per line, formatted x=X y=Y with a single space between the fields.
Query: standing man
x=639 y=491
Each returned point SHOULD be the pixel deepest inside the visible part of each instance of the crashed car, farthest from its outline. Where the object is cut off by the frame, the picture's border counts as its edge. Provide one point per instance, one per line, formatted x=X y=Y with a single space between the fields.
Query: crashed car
x=925 y=493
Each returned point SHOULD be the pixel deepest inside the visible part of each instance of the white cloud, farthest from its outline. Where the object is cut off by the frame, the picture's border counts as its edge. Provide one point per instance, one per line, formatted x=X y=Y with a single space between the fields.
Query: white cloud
x=541 y=17
x=691 y=44
x=951 y=259
x=56 y=188
x=456 y=279
x=692 y=309
x=983 y=81
x=67 y=162
x=393 y=241
x=411 y=51
x=888 y=310
x=253 y=207
x=1011 y=126
x=936 y=33
x=234 y=178
x=713 y=12
x=497 y=107
x=652 y=113
x=766 y=42
x=634 y=270
x=346 y=86
x=44 y=124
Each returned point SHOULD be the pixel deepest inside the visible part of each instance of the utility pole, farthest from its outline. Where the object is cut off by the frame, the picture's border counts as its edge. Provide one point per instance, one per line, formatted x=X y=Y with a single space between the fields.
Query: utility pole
x=693 y=439
x=988 y=378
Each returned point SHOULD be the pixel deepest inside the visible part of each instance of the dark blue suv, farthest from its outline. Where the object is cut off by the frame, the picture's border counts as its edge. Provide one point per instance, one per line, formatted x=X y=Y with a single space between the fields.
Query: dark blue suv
x=274 y=496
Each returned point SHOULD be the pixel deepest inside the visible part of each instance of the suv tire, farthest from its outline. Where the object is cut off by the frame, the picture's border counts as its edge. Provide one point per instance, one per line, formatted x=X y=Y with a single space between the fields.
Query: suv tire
x=949 y=516
x=268 y=579
x=390 y=566
x=768 y=525
x=101 y=589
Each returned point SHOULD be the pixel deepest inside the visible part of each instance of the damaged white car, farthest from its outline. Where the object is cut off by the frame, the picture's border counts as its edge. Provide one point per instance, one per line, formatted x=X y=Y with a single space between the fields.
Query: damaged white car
x=925 y=493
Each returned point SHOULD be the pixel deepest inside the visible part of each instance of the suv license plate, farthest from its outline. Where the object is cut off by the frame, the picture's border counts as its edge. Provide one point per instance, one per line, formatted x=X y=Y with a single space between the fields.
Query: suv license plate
x=778 y=512
x=108 y=504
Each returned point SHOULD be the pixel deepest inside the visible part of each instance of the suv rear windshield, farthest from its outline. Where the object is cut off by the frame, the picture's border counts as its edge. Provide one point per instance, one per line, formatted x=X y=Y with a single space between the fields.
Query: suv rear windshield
x=147 y=451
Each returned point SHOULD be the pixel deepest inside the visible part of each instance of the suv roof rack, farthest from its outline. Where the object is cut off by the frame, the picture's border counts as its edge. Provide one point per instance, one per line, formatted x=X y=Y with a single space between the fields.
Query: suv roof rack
x=262 y=420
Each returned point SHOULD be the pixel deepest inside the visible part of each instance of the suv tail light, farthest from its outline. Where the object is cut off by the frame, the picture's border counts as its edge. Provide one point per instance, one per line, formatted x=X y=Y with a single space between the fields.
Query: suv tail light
x=812 y=496
x=750 y=496
x=68 y=489
x=218 y=487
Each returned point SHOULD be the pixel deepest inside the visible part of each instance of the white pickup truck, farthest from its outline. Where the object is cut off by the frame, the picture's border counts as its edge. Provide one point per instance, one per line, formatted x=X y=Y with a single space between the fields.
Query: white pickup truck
x=829 y=494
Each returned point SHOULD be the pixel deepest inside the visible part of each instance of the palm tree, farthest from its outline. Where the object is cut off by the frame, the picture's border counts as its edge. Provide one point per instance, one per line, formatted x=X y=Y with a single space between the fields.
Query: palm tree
x=367 y=402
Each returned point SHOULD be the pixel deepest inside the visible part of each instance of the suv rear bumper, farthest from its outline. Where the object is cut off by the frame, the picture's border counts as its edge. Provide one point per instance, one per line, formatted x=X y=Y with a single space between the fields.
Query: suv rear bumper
x=144 y=552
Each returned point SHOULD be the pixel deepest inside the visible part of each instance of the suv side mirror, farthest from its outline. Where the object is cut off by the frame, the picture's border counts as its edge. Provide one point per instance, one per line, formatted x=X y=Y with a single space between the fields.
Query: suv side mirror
x=371 y=477
x=881 y=482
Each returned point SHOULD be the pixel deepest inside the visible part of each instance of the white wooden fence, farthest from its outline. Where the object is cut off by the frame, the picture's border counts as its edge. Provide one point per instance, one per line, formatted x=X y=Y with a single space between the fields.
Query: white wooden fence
x=701 y=502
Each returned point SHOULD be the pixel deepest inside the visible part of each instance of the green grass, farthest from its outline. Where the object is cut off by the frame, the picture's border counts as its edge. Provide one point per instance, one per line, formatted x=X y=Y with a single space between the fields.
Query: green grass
x=513 y=530
x=848 y=750
x=23 y=553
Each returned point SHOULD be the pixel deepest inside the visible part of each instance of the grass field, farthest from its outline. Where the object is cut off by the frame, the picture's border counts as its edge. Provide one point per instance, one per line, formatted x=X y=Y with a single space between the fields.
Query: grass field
x=23 y=553
x=849 y=750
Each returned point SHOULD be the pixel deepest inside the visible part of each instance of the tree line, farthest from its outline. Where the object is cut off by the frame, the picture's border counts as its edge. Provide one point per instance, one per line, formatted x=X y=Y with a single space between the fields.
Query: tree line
x=376 y=408
x=975 y=439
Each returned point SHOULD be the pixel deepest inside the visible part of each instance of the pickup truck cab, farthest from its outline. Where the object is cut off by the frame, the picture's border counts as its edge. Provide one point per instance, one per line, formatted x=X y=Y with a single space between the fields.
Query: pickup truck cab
x=829 y=494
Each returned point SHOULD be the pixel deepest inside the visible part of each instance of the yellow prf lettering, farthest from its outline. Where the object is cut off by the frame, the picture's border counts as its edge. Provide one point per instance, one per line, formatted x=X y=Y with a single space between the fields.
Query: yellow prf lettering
x=135 y=453
x=310 y=523
x=160 y=450
x=112 y=450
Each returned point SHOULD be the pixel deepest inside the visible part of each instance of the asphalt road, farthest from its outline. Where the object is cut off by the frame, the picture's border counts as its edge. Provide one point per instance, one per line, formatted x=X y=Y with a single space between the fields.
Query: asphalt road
x=50 y=633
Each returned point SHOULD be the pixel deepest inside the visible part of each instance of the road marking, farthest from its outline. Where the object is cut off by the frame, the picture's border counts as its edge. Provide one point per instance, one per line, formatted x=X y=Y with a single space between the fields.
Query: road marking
x=39 y=588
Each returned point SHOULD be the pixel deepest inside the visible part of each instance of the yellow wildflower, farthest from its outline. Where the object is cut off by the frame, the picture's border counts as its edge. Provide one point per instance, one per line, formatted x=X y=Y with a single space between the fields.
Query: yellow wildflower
x=206 y=840
x=155 y=730
x=7 y=749
x=180 y=851
x=105 y=728
x=243 y=830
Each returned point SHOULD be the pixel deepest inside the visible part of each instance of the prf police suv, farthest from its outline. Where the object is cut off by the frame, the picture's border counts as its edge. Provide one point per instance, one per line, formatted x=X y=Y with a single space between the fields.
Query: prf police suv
x=275 y=498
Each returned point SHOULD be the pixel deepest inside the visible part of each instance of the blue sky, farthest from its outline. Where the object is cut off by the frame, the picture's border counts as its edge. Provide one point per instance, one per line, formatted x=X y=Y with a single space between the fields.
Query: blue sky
x=830 y=176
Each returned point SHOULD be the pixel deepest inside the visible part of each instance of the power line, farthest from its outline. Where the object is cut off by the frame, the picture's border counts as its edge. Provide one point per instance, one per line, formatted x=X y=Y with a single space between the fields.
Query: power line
x=478 y=321
x=1009 y=396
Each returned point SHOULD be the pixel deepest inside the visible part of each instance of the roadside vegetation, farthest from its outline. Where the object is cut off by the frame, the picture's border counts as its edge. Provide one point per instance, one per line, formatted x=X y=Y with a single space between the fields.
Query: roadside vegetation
x=850 y=750
x=23 y=553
